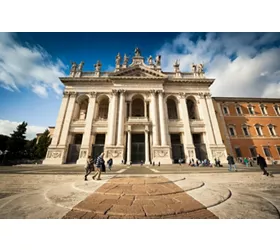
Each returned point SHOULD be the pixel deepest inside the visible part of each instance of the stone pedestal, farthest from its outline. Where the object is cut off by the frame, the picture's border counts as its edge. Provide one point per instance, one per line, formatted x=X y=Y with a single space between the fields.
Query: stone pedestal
x=83 y=155
x=190 y=152
x=161 y=154
x=55 y=155
x=114 y=152
x=218 y=151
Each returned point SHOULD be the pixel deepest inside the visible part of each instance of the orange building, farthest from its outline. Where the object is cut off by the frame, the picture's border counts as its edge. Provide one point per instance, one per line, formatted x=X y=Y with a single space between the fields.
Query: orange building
x=249 y=126
x=51 y=130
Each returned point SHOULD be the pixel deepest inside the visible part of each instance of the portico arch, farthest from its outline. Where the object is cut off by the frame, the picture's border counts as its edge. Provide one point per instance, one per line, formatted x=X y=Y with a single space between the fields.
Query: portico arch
x=138 y=108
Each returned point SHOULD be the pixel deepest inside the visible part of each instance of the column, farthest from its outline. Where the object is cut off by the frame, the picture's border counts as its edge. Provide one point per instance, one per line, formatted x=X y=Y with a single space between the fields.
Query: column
x=67 y=120
x=112 y=121
x=145 y=108
x=185 y=117
x=154 y=119
x=60 y=118
x=147 y=157
x=206 y=119
x=89 y=120
x=162 y=120
x=213 y=119
x=130 y=108
x=128 y=157
x=121 y=118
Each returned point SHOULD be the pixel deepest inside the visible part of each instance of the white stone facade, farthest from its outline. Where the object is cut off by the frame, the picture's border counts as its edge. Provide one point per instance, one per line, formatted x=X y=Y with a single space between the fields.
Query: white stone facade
x=136 y=113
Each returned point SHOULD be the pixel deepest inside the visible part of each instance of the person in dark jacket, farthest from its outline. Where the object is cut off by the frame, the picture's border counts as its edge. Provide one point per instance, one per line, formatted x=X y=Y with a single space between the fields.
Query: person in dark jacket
x=261 y=161
x=88 y=167
x=99 y=165
x=110 y=163
x=231 y=163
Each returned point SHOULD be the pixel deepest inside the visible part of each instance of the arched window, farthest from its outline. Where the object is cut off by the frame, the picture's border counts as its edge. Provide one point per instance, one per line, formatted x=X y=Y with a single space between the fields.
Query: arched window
x=172 y=109
x=192 y=109
x=103 y=109
x=138 y=107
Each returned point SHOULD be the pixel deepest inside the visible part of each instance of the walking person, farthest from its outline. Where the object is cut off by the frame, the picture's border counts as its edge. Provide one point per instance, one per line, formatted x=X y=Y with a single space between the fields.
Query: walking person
x=89 y=167
x=246 y=162
x=99 y=165
x=261 y=161
x=231 y=163
x=110 y=163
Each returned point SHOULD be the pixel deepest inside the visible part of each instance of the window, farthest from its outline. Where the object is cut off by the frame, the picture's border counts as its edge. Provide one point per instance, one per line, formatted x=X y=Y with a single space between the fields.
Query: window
x=238 y=152
x=238 y=110
x=259 y=130
x=278 y=149
x=253 y=151
x=271 y=130
x=263 y=109
x=245 y=131
x=251 y=110
x=231 y=131
x=225 y=110
x=277 y=109
x=266 y=151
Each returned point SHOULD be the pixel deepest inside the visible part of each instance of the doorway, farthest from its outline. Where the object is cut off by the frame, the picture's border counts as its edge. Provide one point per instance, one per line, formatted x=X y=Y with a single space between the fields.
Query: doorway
x=137 y=148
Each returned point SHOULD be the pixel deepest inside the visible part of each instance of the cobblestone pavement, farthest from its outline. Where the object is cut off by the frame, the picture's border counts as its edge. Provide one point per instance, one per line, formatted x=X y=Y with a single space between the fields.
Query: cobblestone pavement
x=139 y=197
x=221 y=195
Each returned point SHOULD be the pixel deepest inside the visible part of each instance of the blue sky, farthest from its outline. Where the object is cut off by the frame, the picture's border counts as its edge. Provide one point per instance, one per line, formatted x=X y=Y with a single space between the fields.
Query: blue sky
x=244 y=64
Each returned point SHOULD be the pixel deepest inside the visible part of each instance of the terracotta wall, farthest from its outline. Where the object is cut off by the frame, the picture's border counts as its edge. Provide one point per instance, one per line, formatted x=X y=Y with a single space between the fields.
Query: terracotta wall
x=236 y=120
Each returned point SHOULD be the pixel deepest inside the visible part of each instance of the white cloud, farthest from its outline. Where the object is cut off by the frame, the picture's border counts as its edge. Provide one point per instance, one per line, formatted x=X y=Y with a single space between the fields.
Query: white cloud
x=7 y=127
x=243 y=64
x=28 y=67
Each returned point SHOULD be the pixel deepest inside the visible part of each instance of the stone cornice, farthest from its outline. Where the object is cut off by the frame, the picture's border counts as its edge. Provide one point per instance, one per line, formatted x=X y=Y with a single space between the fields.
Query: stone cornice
x=246 y=99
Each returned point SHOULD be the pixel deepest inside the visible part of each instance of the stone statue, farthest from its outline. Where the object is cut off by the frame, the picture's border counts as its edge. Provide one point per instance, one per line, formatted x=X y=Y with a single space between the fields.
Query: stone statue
x=176 y=66
x=200 y=68
x=98 y=66
x=118 y=59
x=193 y=68
x=158 y=58
x=137 y=52
x=73 y=67
x=125 y=60
x=81 y=65
x=150 y=60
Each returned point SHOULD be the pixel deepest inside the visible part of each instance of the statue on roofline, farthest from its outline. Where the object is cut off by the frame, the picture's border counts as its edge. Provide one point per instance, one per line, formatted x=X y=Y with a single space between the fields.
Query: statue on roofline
x=137 y=52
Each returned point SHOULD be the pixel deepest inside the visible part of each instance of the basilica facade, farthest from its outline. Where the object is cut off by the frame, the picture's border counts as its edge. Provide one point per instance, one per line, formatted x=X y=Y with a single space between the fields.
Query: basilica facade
x=136 y=113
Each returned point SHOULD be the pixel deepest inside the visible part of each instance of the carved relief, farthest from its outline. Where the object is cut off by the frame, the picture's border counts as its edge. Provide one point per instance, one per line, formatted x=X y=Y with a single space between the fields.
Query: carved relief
x=83 y=154
x=53 y=154
x=114 y=153
x=218 y=154
x=160 y=153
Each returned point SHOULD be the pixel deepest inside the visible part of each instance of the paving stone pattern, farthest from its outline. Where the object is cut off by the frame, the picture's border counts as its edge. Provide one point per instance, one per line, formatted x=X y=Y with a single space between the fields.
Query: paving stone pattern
x=139 y=198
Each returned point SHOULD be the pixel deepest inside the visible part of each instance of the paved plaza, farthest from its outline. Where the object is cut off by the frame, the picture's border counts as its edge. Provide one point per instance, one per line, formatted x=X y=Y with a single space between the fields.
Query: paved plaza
x=138 y=192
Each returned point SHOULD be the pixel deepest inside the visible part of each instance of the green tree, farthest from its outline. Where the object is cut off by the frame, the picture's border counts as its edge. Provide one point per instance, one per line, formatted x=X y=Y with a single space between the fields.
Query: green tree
x=4 y=142
x=31 y=147
x=43 y=143
x=16 y=144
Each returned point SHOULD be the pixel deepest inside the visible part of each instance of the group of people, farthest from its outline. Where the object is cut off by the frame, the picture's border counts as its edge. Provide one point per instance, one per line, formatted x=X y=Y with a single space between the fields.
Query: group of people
x=260 y=161
x=99 y=164
x=199 y=163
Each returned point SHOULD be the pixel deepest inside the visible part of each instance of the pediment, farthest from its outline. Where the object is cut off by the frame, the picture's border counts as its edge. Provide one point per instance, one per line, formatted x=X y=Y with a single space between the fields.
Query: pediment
x=138 y=71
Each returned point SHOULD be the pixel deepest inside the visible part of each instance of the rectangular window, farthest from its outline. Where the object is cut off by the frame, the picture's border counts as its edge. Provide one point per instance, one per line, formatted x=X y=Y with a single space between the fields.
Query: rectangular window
x=266 y=151
x=245 y=131
x=277 y=111
x=238 y=152
x=251 y=110
x=253 y=152
x=225 y=111
x=271 y=130
x=231 y=131
x=238 y=111
x=263 y=110
x=278 y=149
x=259 y=131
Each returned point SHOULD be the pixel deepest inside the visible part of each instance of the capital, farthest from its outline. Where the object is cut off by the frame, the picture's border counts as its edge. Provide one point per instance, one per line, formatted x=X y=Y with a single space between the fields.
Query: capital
x=73 y=93
x=201 y=95
x=93 y=94
x=182 y=95
x=121 y=91
x=66 y=93
x=114 y=92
